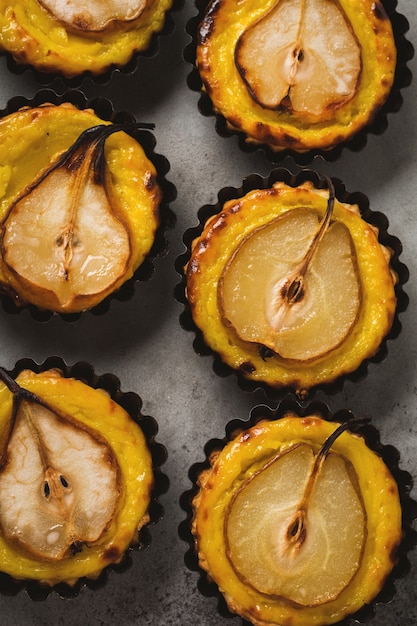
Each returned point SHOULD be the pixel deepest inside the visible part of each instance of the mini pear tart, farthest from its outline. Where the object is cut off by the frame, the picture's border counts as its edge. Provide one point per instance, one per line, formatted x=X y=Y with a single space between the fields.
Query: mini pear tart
x=299 y=77
x=298 y=517
x=291 y=282
x=80 y=470
x=73 y=39
x=82 y=205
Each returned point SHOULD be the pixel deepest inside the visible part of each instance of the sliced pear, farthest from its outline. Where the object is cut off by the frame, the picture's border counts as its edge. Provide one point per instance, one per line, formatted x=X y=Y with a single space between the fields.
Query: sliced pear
x=288 y=535
x=62 y=238
x=293 y=286
x=302 y=55
x=95 y=15
x=76 y=478
x=60 y=482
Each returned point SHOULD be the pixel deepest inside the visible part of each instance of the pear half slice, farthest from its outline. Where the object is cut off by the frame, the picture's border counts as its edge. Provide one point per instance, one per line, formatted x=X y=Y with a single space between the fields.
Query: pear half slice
x=61 y=481
x=287 y=534
x=293 y=286
x=302 y=55
x=95 y=15
x=63 y=238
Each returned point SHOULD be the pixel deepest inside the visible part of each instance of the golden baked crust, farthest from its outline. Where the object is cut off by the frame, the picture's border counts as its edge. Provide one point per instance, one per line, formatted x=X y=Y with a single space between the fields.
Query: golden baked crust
x=240 y=459
x=132 y=176
x=281 y=128
x=219 y=240
x=33 y=36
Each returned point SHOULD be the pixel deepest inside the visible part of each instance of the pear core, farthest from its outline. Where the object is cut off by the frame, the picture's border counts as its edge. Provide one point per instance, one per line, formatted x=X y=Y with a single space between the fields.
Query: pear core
x=60 y=483
x=266 y=299
x=302 y=55
x=307 y=561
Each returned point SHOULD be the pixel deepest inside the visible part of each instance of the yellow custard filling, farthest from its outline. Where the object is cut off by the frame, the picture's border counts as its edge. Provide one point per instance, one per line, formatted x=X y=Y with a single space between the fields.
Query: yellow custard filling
x=33 y=36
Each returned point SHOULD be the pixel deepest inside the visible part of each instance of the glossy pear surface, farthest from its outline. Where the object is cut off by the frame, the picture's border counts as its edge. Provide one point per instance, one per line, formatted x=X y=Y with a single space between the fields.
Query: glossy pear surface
x=308 y=562
x=75 y=247
x=60 y=482
x=94 y=15
x=303 y=55
x=255 y=284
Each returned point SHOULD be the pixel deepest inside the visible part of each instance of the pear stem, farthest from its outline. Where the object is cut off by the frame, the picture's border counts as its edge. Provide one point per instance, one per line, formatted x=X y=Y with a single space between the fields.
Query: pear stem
x=19 y=393
x=295 y=285
x=291 y=289
x=297 y=529
x=67 y=238
x=298 y=50
x=54 y=482
x=85 y=154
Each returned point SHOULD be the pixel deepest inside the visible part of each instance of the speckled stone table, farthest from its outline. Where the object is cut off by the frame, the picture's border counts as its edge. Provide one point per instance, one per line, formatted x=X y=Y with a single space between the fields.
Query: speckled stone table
x=142 y=343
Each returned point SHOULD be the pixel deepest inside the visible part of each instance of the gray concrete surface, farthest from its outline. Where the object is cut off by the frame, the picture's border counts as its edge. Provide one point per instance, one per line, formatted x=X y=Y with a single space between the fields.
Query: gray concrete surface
x=142 y=342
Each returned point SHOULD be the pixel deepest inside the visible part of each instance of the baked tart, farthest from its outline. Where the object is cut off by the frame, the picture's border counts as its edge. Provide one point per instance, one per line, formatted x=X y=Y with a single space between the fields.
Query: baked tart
x=73 y=39
x=298 y=517
x=298 y=76
x=81 y=205
x=79 y=468
x=289 y=283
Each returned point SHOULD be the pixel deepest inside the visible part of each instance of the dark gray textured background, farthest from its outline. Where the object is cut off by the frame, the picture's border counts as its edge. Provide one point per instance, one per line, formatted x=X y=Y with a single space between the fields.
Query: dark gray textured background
x=142 y=342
